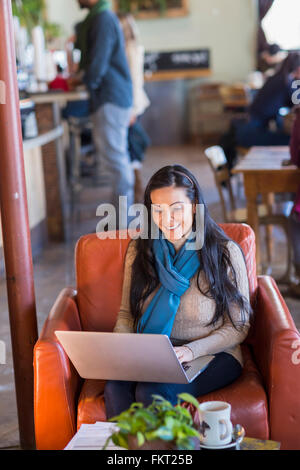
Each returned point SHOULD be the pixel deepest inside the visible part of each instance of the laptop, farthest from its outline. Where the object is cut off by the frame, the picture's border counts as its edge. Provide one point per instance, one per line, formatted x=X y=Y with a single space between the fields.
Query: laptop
x=128 y=356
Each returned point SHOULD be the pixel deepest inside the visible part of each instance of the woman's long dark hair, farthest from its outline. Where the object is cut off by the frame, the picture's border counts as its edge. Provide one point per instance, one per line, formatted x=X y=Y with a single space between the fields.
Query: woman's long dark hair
x=214 y=256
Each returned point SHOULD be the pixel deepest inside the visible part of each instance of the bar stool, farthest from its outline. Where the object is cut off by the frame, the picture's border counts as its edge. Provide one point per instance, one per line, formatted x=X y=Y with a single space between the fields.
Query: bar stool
x=77 y=152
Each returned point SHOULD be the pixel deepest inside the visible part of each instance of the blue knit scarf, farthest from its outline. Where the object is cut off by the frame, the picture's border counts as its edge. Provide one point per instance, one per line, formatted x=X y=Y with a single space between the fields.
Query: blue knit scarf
x=174 y=271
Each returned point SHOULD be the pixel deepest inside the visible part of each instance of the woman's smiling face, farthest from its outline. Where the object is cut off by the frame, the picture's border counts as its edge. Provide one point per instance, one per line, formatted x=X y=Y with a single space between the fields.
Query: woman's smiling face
x=172 y=211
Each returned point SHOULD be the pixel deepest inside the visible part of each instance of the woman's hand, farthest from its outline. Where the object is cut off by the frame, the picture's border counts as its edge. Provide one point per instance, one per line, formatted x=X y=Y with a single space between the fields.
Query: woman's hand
x=183 y=353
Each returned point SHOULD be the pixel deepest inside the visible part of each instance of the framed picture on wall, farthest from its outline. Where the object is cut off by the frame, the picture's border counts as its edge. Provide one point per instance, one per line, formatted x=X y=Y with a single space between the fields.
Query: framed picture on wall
x=147 y=9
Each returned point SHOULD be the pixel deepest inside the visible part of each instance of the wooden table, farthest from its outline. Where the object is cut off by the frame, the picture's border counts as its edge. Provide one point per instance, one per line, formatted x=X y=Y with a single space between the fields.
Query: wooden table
x=264 y=174
x=93 y=437
x=250 y=443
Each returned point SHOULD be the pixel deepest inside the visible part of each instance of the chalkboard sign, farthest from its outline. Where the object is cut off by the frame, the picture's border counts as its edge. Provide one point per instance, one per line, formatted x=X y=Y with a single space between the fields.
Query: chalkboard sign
x=177 y=60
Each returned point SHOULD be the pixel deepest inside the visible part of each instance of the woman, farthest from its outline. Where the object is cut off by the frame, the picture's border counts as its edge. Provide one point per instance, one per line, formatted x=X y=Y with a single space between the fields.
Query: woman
x=135 y=55
x=138 y=140
x=204 y=311
x=275 y=94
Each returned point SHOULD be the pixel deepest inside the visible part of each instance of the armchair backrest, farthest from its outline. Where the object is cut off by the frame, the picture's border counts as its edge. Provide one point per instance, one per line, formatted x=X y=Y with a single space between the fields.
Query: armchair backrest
x=100 y=268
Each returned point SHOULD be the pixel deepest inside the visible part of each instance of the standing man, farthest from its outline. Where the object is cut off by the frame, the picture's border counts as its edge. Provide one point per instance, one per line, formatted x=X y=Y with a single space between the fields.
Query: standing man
x=107 y=77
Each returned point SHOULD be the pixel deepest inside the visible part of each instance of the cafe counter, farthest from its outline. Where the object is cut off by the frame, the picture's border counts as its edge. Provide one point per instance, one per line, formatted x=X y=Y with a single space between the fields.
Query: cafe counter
x=50 y=143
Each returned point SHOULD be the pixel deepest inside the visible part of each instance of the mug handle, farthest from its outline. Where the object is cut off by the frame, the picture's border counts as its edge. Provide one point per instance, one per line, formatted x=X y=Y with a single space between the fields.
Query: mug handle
x=228 y=427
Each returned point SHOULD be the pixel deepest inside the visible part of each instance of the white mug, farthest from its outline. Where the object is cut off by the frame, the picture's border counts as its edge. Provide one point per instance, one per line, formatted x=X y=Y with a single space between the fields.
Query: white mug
x=215 y=425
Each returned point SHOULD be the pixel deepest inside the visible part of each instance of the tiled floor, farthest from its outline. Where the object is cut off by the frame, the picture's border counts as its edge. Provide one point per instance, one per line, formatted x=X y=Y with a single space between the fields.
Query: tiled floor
x=54 y=269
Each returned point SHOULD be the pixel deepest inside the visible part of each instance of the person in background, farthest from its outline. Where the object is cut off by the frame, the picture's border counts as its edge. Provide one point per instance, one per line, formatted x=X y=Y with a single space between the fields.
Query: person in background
x=295 y=214
x=138 y=140
x=105 y=72
x=270 y=58
x=275 y=94
x=73 y=65
x=75 y=108
x=59 y=82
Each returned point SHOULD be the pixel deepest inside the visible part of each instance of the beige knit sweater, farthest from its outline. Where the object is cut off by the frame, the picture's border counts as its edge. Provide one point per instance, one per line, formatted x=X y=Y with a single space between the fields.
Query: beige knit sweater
x=194 y=313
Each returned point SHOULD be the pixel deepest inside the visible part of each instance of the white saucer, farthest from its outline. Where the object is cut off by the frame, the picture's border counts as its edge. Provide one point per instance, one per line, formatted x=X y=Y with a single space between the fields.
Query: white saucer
x=226 y=446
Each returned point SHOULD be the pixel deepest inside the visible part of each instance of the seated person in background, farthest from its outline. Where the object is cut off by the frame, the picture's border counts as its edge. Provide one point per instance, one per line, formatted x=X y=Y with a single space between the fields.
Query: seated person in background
x=60 y=82
x=275 y=94
x=197 y=295
x=295 y=214
x=73 y=108
x=270 y=58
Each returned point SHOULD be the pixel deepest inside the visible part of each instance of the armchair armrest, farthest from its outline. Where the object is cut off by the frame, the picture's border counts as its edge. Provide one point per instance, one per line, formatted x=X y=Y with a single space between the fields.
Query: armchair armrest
x=56 y=382
x=276 y=348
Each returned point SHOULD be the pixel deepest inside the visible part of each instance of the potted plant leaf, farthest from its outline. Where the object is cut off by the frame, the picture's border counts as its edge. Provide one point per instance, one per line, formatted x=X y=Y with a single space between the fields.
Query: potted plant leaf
x=160 y=426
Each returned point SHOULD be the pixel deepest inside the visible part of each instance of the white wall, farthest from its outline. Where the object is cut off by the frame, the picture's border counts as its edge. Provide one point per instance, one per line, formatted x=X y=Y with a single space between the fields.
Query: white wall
x=65 y=12
x=226 y=27
x=35 y=187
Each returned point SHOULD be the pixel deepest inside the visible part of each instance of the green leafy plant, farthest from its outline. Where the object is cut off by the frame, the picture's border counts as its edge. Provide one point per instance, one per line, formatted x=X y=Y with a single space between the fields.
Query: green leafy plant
x=32 y=13
x=160 y=420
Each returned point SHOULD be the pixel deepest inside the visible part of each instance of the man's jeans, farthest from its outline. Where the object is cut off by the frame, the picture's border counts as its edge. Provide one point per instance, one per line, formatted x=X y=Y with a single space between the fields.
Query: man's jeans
x=113 y=165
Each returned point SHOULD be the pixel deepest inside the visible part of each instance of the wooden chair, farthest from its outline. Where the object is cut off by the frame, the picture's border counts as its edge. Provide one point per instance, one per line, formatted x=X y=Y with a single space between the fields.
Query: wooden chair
x=241 y=153
x=235 y=96
x=279 y=215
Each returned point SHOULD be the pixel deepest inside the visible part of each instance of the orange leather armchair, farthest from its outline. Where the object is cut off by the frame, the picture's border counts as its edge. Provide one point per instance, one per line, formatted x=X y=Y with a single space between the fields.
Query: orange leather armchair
x=265 y=399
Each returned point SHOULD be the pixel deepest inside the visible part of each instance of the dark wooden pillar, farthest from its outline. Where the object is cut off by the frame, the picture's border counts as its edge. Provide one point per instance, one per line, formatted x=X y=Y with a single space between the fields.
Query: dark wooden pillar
x=16 y=233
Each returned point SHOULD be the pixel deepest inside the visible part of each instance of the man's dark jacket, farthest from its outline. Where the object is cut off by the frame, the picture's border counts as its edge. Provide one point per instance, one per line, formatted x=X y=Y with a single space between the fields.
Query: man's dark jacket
x=107 y=73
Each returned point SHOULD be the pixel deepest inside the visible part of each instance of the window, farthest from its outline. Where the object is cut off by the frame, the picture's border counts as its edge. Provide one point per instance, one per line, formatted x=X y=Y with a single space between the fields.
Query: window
x=282 y=24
